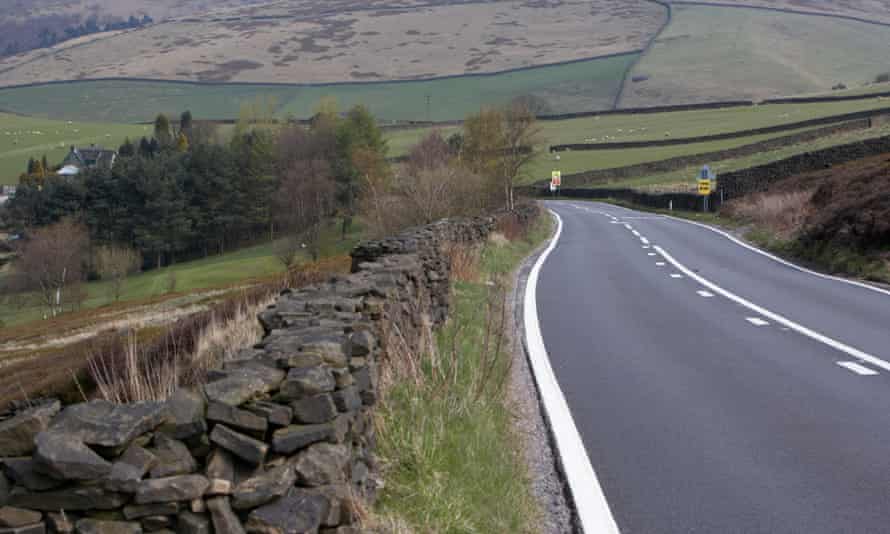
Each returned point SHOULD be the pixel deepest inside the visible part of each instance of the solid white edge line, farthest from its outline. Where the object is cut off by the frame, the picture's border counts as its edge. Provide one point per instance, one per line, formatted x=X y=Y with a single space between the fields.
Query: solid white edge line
x=591 y=506
x=825 y=340
x=773 y=257
x=857 y=368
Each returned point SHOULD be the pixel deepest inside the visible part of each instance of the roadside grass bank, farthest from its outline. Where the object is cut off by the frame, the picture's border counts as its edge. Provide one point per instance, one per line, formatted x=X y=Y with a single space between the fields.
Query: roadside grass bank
x=448 y=447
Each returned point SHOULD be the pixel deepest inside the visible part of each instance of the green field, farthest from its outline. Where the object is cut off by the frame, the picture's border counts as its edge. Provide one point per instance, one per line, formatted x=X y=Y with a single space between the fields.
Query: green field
x=213 y=272
x=29 y=137
x=586 y=85
x=714 y=53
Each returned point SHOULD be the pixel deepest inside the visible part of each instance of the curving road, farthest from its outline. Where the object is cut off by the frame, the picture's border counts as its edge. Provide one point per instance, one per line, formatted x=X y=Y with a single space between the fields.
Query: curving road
x=714 y=389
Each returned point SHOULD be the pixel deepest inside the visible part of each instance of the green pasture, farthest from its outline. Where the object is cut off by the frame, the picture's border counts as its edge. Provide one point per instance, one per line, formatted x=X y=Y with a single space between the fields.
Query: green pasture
x=213 y=272
x=585 y=85
x=714 y=53
x=30 y=137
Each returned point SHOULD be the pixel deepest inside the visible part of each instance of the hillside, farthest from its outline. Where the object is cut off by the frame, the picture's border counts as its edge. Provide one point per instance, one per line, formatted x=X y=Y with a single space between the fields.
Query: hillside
x=297 y=42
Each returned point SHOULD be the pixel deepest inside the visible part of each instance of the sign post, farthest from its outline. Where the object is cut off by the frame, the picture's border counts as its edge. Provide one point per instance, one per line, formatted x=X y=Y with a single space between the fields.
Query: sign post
x=555 y=181
x=707 y=182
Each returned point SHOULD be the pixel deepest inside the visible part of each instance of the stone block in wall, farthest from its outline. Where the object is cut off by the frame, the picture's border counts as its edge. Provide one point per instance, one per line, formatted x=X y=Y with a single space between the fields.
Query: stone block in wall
x=129 y=469
x=238 y=419
x=293 y=438
x=307 y=381
x=322 y=464
x=243 y=384
x=171 y=489
x=245 y=447
x=264 y=487
x=18 y=432
x=140 y=511
x=314 y=410
x=185 y=415
x=64 y=458
x=73 y=499
x=105 y=424
x=275 y=414
x=94 y=526
x=224 y=519
x=36 y=528
x=11 y=517
x=192 y=523
x=298 y=511
x=23 y=472
x=173 y=458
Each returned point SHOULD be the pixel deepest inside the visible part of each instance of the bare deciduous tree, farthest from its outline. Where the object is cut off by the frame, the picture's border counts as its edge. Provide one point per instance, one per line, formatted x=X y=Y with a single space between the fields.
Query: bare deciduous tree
x=303 y=201
x=114 y=263
x=521 y=136
x=52 y=259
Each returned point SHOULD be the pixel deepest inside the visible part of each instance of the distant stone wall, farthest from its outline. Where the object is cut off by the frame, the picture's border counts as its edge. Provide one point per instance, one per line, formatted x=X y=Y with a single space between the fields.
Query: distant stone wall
x=279 y=440
x=682 y=162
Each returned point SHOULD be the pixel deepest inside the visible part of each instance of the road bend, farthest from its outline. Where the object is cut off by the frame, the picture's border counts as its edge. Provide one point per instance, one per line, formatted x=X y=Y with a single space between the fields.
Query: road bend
x=716 y=389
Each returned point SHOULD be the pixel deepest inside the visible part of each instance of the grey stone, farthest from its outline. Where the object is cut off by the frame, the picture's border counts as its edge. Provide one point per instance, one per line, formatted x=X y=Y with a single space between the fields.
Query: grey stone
x=221 y=466
x=314 y=410
x=192 y=523
x=155 y=523
x=333 y=350
x=4 y=488
x=244 y=384
x=263 y=488
x=36 y=528
x=18 y=517
x=171 y=489
x=22 y=471
x=322 y=464
x=60 y=456
x=298 y=359
x=128 y=470
x=276 y=414
x=185 y=415
x=107 y=424
x=293 y=438
x=95 y=526
x=348 y=399
x=138 y=511
x=224 y=519
x=307 y=381
x=199 y=445
x=18 y=432
x=348 y=529
x=69 y=499
x=243 y=420
x=339 y=504
x=363 y=343
x=343 y=378
x=244 y=447
x=297 y=512
x=173 y=457
x=59 y=523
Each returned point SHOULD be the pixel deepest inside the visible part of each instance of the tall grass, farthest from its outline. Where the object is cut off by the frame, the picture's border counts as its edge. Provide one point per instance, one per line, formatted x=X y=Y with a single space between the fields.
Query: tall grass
x=446 y=438
x=784 y=214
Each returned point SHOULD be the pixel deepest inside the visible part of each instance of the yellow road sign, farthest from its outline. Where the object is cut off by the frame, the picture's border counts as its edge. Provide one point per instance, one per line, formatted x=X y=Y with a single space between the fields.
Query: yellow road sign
x=704 y=187
x=556 y=178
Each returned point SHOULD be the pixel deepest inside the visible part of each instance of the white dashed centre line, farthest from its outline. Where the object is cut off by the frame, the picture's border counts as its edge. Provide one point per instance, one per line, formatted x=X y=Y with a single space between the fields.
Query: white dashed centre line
x=706 y=294
x=660 y=264
x=675 y=275
x=652 y=254
x=756 y=321
x=858 y=368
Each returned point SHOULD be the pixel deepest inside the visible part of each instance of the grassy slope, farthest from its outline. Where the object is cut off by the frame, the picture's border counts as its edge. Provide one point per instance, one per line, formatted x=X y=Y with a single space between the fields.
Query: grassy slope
x=585 y=85
x=687 y=177
x=26 y=137
x=453 y=463
x=216 y=271
x=715 y=53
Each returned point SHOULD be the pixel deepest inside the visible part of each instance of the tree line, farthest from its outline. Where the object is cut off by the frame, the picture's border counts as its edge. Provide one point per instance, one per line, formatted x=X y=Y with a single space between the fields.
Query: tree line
x=182 y=193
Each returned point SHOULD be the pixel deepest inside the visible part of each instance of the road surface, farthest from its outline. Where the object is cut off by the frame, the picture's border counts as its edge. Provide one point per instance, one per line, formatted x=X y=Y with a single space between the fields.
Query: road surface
x=714 y=389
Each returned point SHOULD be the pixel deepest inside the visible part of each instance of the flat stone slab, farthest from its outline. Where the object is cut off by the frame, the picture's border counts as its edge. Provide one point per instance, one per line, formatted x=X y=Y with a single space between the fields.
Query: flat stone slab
x=247 y=448
x=18 y=517
x=107 y=424
x=68 y=459
x=94 y=526
x=171 y=489
x=69 y=499
x=17 y=433
x=297 y=512
x=263 y=488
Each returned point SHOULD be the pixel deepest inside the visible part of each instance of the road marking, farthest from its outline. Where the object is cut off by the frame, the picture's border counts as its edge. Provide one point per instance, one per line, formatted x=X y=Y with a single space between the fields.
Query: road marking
x=775 y=317
x=646 y=246
x=636 y=233
x=660 y=264
x=756 y=321
x=652 y=254
x=644 y=240
x=778 y=259
x=593 y=510
x=706 y=294
x=858 y=368
x=675 y=275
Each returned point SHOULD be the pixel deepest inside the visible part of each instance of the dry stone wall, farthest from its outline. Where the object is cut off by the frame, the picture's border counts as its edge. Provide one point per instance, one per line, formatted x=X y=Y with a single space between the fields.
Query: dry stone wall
x=279 y=440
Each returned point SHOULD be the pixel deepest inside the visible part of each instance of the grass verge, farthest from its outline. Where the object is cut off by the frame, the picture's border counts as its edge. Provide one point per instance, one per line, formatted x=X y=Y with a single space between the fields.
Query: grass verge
x=446 y=436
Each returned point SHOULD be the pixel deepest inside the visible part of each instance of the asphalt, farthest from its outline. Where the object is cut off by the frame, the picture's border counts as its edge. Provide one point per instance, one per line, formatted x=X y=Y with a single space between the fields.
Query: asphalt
x=697 y=420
